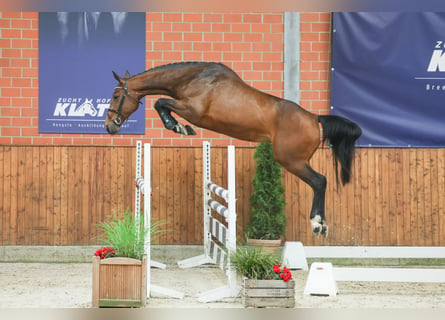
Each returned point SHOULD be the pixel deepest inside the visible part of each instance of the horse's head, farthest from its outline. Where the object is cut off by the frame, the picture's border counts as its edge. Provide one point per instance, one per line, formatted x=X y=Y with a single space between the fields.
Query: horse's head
x=122 y=105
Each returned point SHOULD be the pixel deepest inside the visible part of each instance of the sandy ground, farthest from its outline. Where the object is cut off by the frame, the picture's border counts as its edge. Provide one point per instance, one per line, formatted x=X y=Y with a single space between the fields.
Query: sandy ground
x=55 y=285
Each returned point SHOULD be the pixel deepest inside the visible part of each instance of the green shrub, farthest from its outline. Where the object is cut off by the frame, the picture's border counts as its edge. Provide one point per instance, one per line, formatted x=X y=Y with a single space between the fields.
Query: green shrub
x=252 y=263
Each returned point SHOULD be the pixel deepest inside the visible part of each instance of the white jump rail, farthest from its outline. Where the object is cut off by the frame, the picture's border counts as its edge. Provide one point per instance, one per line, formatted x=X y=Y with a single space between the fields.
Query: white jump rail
x=219 y=237
x=382 y=274
x=143 y=187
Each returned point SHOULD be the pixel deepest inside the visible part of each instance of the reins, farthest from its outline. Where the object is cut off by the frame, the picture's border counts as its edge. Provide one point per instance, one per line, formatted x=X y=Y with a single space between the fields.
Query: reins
x=120 y=118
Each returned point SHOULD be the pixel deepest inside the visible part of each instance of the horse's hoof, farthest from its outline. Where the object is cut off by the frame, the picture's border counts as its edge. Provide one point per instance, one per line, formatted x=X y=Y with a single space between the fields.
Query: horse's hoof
x=319 y=227
x=190 y=131
x=324 y=231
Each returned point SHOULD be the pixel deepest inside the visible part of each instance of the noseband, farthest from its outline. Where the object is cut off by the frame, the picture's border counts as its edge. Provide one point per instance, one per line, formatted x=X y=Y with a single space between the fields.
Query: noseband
x=120 y=118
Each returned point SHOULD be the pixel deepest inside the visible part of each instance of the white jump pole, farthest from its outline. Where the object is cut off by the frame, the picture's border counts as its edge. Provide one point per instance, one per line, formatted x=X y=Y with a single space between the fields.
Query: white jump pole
x=214 y=230
x=143 y=186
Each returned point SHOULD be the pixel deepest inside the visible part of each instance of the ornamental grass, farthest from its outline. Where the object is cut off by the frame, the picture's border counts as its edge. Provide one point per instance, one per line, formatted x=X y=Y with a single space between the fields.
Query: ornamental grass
x=126 y=236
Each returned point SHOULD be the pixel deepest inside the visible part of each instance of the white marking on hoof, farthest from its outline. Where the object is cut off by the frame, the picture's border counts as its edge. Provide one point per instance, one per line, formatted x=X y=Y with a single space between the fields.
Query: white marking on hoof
x=316 y=224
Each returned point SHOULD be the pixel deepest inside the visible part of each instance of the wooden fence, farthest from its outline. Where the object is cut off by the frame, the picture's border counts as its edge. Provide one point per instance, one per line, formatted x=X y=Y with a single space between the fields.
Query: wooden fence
x=55 y=195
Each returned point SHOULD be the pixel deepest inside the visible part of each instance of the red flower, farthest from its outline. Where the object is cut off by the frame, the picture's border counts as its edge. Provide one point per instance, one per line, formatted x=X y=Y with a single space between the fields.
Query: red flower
x=276 y=268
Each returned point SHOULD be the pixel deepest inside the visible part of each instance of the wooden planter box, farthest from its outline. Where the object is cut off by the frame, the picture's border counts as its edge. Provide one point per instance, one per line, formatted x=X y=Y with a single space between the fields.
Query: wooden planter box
x=268 y=293
x=119 y=282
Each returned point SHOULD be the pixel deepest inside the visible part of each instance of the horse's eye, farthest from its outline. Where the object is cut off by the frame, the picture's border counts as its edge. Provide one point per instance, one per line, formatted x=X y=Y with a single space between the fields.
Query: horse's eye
x=115 y=97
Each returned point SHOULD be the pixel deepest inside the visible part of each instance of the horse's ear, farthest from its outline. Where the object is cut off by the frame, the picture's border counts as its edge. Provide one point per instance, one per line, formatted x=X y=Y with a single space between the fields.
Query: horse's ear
x=117 y=77
x=127 y=74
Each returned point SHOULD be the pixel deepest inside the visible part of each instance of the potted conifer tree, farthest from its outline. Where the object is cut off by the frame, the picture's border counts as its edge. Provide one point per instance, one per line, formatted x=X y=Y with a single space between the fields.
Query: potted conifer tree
x=267 y=224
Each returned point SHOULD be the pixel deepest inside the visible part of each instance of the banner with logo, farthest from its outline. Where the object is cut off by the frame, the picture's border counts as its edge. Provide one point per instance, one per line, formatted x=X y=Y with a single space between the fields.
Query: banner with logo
x=388 y=75
x=77 y=53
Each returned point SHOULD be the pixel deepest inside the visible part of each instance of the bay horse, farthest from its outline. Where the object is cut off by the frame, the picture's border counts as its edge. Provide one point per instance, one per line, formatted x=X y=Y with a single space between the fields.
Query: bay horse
x=212 y=96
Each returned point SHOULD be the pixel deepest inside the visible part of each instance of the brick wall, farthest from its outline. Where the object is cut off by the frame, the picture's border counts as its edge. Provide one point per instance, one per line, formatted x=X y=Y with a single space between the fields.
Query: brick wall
x=250 y=43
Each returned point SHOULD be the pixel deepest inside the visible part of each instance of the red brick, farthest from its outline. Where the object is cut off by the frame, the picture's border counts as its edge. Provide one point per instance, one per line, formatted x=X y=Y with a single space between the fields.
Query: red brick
x=241 y=27
x=273 y=18
x=213 y=37
x=5 y=82
x=193 y=36
x=232 y=56
x=277 y=28
x=173 y=36
x=321 y=46
x=233 y=17
x=193 y=17
x=29 y=112
x=252 y=56
x=193 y=56
x=5 y=23
x=262 y=66
x=183 y=27
x=67 y=141
x=29 y=132
x=202 y=46
x=213 y=17
x=272 y=56
x=30 y=53
x=21 y=82
x=5 y=43
x=21 y=23
x=261 y=46
x=154 y=17
x=12 y=15
x=5 y=140
x=253 y=37
x=30 y=92
x=231 y=37
x=182 y=46
x=20 y=102
x=241 y=65
x=310 y=17
x=173 y=56
x=11 y=53
x=20 y=63
x=42 y=141
x=5 y=62
x=201 y=27
x=154 y=36
x=309 y=36
x=10 y=132
x=321 y=27
x=253 y=75
x=21 y=140
x=162 y=46
x=21 y=122
x=241 y=46
x=217 y=27
x=10 y=92
x=173 y=17
x=30 y=34
x=273 y=37
x=262 y=28
x=212 y=56
x=11 y=33
x=161 y=26
x=252 y=18
x=272 y=76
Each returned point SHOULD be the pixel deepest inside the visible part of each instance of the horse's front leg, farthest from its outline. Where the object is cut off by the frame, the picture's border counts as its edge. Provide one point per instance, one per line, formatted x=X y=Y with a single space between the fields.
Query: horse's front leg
x=163 y=106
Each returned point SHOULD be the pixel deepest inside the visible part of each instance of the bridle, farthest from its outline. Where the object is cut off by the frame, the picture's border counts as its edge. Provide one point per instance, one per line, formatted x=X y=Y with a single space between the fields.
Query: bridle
x=120 y=118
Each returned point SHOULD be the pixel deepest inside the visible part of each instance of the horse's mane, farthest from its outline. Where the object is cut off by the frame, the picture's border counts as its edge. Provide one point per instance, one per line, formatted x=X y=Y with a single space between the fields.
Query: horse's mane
x=175 y=65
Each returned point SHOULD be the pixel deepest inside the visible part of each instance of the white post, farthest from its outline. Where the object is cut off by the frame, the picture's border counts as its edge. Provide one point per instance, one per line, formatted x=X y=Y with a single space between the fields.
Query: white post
x=231 y=223
x=147 y=207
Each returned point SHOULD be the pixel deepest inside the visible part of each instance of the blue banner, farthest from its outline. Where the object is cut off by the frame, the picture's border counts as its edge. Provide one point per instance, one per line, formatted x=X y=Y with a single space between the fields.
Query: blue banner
x=77 y=53
x=388 y=76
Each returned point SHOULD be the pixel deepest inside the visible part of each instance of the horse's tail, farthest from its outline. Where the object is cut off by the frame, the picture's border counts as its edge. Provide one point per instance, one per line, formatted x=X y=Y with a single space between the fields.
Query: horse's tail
x=342 y=134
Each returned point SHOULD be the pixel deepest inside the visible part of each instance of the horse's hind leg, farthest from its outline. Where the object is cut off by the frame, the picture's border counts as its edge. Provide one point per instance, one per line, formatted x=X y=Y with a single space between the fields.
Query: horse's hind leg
x=162 y=106
x=318 y=184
